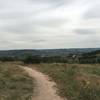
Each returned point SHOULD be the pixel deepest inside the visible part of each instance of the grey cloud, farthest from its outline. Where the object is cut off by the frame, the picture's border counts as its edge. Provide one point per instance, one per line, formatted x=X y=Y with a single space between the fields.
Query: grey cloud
x=45 y=23
x=51 y=1
x=94 y=11
x=16 y=26
x=19 y=18
x=20 y=29
x=85 y=31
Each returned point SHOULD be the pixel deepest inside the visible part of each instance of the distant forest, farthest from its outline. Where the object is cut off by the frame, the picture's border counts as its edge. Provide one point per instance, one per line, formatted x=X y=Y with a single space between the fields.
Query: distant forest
x=63 y=56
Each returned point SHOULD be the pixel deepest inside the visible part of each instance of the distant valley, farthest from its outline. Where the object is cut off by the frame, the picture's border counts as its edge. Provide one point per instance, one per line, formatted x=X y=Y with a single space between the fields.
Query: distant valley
x=45 y=52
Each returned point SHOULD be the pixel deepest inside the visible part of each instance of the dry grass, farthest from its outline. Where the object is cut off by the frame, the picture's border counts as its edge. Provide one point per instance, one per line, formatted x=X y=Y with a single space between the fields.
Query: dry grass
x=75 y=81
x=15 y=84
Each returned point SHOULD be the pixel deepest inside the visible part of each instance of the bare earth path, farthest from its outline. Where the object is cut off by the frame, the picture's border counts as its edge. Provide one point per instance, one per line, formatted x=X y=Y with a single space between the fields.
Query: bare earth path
x=45 y=89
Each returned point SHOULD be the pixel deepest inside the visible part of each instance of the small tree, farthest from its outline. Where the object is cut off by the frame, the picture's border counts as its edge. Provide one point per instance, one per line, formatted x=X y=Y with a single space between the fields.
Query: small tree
x=32 y=59
x=28 y=59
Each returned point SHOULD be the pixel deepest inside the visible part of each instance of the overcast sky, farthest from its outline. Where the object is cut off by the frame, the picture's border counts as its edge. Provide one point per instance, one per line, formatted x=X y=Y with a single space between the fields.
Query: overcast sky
x=43 y=24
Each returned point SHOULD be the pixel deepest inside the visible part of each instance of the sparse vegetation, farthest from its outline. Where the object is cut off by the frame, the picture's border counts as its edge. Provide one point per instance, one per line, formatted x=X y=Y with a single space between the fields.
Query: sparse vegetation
x=15 y=84
x=79 y=79
x=75 y=81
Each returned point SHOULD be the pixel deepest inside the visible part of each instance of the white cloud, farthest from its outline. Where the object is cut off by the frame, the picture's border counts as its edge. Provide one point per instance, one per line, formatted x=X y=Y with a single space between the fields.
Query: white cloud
x=49 y=23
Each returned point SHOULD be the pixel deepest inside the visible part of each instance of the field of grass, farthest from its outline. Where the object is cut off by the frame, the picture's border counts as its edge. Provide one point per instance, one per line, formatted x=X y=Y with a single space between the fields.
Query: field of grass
x=15 y=84
x=74 y=81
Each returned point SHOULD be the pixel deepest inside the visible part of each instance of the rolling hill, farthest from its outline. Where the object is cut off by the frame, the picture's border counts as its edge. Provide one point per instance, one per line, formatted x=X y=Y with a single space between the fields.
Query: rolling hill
x=45 y=52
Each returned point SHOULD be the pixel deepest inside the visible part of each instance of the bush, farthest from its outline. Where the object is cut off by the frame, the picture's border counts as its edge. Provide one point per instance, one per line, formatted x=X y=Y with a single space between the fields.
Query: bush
x=32 y=59
x=89 y=93
x=28 y=59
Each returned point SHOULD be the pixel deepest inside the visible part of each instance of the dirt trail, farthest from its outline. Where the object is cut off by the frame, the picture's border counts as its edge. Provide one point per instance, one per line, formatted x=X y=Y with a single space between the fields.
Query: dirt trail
x=45 y=89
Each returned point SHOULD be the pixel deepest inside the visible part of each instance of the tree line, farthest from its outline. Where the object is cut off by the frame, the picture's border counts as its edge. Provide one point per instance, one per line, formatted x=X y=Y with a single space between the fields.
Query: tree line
x=87 y=58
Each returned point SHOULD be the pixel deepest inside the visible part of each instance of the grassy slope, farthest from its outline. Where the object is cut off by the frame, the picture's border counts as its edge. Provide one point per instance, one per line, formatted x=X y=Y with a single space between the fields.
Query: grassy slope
x=76 y=82
x=15 y=84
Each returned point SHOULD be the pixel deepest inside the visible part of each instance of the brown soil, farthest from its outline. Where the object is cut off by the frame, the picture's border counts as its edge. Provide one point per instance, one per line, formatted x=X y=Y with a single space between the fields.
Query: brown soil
x=45 y=89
